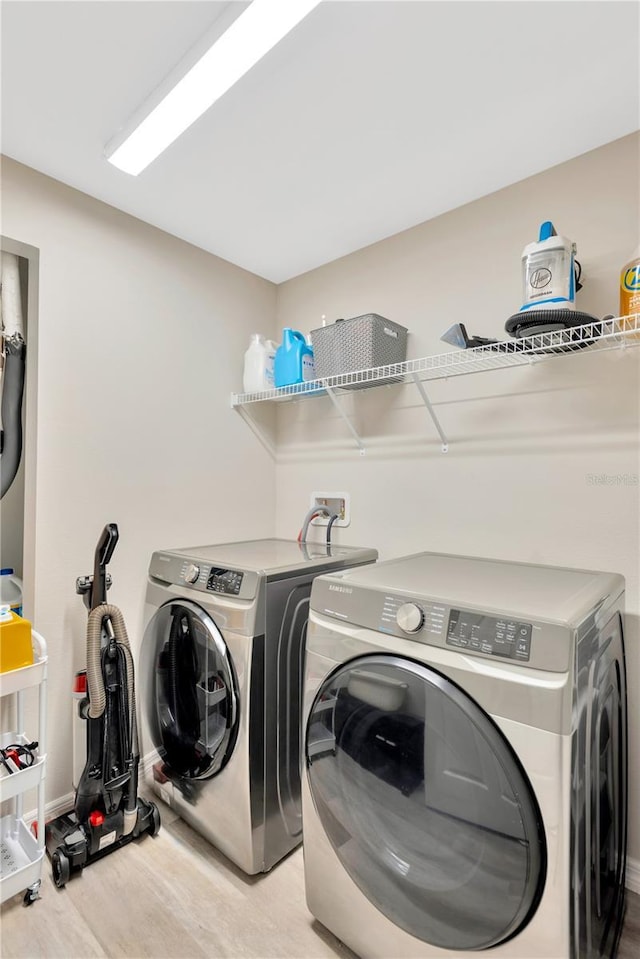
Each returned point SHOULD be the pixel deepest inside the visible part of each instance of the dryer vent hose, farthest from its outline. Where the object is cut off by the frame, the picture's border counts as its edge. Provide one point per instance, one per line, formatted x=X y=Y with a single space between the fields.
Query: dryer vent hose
x=12 y=390
x=12 y=328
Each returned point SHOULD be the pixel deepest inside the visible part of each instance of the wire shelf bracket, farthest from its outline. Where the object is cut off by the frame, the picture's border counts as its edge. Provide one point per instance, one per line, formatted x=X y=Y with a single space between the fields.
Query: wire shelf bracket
x=332 y=396
x=427 y=403
x=268 y=444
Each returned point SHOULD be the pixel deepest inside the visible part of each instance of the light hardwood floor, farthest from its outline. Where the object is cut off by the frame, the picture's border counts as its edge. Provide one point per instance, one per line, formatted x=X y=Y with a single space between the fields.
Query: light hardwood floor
x=176 y=897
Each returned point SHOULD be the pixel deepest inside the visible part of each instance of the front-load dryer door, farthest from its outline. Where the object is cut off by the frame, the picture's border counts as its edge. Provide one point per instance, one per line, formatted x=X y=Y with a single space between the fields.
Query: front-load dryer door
x=425 y=804
x=193 y=710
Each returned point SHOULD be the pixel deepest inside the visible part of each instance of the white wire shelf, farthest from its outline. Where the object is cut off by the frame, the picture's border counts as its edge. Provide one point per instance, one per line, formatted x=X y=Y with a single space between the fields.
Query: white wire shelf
x=616 y=332
x=620 y=332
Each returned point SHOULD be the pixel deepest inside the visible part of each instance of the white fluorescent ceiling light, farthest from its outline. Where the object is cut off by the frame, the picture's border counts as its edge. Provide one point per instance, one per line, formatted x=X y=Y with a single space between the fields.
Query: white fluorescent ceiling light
x=256 y=31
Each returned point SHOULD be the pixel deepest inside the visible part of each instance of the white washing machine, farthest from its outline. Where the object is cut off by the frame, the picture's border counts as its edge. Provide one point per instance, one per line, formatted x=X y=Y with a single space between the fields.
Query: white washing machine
x=221 y=683
x=464 y=785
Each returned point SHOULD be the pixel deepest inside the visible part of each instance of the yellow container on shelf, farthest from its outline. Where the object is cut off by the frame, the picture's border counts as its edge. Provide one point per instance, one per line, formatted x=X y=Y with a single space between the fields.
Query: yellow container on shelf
x=16 y=650
x=630 y=292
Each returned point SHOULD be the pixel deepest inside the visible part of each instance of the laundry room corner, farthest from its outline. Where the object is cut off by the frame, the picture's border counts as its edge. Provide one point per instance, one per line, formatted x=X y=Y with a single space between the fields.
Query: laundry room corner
x=135 y=354
x=543 y=461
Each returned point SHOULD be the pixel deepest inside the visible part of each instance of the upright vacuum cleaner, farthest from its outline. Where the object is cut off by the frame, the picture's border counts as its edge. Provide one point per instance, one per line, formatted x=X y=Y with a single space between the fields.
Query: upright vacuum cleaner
x=108 y=812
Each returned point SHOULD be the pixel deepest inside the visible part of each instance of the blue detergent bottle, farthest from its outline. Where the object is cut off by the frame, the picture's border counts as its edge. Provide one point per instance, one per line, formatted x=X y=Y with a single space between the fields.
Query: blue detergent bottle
x=293 y=360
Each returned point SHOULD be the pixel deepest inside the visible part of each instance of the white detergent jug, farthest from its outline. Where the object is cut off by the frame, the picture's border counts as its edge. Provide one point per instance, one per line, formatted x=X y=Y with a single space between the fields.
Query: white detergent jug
x=258 y=365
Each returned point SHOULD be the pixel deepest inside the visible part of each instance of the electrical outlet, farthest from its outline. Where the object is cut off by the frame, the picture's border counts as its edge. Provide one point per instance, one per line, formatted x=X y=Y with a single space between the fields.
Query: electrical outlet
x=339 y=503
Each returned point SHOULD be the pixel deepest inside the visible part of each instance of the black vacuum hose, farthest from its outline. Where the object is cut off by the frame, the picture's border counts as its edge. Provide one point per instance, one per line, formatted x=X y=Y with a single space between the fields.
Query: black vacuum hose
x=12 y=390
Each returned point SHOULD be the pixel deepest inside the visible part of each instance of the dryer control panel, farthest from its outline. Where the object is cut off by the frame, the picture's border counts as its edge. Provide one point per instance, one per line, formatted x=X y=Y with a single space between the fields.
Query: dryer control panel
x=464 y=628
x=474 y=632
x=487 y=634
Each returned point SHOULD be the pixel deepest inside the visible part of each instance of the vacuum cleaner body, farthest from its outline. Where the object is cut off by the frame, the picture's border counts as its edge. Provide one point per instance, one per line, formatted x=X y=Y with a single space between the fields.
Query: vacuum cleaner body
x=71 y=845
x=107 y=812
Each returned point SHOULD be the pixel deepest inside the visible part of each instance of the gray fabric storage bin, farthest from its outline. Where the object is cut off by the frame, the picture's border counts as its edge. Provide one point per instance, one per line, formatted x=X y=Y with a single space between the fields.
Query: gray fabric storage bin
x=359 y=343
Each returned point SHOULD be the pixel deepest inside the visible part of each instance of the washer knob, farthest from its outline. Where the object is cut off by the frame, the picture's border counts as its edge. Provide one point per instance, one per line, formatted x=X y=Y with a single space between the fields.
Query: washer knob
x=191 y=573
x=409 y=617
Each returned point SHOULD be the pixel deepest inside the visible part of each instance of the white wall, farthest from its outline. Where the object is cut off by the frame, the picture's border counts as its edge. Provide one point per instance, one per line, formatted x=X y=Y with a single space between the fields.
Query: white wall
x=525 y=444
x=139 y=343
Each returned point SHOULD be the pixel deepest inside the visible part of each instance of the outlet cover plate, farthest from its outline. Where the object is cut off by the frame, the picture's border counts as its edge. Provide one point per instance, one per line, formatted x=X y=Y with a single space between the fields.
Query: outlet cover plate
x=341 y=502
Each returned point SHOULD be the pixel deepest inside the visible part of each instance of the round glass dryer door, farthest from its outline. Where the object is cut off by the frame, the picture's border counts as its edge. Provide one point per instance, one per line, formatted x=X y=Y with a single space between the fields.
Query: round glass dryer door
x=193 y=710
x=425 y=803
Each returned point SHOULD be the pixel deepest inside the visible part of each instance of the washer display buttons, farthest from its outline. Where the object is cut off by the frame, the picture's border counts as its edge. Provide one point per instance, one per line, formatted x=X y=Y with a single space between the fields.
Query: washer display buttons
x=522 y=641
x=225 y=581
x=486 y=634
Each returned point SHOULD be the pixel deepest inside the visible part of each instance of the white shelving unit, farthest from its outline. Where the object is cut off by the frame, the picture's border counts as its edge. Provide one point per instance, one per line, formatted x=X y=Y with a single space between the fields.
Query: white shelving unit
x=22 y=852
x=608 y=334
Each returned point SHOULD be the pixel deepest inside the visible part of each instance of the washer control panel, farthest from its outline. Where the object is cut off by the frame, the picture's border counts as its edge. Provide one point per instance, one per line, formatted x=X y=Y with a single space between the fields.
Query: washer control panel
x=195 y=573
x=214 y=579
x=409 y=617
x=226 y=581
x=488 y=634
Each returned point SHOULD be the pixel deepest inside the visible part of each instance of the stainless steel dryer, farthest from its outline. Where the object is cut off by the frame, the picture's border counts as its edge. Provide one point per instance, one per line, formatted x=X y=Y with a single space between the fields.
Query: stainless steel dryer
x=465 y=770
x=221 y=681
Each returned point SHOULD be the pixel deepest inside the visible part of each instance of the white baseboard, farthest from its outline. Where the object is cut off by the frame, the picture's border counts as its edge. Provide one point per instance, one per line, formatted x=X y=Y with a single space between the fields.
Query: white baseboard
x=148 y=760
x=52 y=809
x=633 y=875
x=59 y=806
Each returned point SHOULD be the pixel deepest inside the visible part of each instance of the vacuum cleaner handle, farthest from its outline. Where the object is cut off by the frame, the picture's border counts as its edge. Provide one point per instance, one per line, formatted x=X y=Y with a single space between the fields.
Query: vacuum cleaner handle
x=103 y=554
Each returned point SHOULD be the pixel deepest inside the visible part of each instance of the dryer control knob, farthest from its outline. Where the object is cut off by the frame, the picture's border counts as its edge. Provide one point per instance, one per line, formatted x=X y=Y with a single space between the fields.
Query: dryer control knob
x=191 y=573
x=409 y=618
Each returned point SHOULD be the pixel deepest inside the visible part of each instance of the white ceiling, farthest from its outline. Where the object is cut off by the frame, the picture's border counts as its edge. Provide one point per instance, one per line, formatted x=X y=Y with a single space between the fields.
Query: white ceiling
x=370 y=117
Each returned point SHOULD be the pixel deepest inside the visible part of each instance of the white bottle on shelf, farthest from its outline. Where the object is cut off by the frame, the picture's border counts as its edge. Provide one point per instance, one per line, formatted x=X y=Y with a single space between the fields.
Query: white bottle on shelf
x=269 y=380
x=258 y=361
